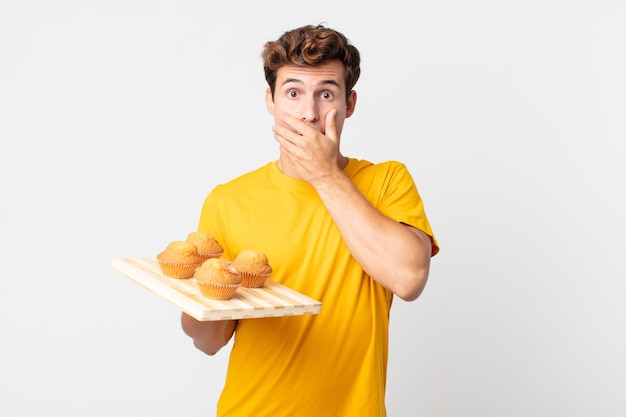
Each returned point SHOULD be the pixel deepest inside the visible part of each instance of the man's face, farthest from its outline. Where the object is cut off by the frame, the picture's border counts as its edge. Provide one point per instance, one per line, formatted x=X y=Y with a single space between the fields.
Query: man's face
x=309 y=93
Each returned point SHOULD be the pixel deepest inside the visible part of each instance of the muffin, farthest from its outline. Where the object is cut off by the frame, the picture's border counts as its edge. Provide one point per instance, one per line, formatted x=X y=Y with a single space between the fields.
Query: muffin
x=253 y=267
x=179 y=259
x=207 y=244
x=217 y=278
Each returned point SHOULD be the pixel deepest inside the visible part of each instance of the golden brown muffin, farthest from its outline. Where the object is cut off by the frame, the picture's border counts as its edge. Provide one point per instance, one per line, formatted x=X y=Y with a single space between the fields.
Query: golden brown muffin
x=179 y=259
x=253 y=267
x=207 y=244
x=217 y=278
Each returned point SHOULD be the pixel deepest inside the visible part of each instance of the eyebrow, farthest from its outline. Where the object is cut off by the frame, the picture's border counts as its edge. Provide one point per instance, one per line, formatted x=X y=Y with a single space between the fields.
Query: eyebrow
x=323 y=82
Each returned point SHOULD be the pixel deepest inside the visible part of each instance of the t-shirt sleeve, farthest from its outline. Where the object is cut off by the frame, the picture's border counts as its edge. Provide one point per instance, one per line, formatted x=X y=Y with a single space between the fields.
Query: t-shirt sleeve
x=400 y=199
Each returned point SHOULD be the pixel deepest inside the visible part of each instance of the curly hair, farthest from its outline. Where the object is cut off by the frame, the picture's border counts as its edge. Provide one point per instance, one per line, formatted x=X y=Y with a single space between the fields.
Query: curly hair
x=310 y=46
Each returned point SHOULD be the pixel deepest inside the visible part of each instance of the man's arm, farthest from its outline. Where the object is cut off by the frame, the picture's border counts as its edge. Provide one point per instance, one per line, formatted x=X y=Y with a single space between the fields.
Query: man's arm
x=394 y=254
x=208 y=336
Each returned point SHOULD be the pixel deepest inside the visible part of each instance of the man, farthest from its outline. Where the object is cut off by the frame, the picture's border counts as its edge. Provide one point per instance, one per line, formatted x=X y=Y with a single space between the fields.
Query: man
x=346 y=232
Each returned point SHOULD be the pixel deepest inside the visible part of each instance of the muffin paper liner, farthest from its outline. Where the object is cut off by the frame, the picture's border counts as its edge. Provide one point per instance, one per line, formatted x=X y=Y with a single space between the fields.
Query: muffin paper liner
x=218 y=291
x=180 y=271
x=250 y=280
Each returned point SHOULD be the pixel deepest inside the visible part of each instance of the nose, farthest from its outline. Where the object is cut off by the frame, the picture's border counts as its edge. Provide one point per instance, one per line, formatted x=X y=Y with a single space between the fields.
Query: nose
x=308 y=111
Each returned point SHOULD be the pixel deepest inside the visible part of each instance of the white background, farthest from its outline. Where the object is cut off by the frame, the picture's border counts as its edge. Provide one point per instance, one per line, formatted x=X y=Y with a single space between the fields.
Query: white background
x=118 y=117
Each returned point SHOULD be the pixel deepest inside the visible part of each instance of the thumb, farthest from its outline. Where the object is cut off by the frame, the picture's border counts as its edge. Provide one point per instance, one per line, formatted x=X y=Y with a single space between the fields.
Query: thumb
x=330 y=128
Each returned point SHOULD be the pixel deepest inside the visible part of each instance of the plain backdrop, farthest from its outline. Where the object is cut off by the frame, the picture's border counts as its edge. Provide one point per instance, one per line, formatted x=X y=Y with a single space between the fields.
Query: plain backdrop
x=118 y=117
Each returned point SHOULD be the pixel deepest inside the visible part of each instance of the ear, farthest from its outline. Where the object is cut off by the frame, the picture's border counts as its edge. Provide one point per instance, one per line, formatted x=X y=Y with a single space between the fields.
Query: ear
x=269 y=101
x=351 y=104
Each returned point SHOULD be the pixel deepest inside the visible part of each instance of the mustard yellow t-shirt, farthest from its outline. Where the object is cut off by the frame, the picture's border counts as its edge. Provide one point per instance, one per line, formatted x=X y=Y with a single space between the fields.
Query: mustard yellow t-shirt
x=323 y=365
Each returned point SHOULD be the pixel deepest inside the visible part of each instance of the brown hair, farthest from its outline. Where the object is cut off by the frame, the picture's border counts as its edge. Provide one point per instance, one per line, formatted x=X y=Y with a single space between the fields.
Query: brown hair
x=311 y=46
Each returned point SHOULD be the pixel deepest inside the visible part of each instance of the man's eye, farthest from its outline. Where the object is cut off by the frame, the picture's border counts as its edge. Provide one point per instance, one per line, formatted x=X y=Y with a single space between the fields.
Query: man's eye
x=327 y=95
x=292 y=94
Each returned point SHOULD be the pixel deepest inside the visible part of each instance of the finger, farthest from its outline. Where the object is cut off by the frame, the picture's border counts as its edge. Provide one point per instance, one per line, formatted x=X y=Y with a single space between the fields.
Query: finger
x=287 y=140
x=330 y=129
x=285 y=133
x=297 y=125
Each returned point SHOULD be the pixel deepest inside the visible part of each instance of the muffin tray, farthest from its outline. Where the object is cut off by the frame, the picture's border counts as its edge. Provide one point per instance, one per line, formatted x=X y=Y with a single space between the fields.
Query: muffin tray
x=271 y=300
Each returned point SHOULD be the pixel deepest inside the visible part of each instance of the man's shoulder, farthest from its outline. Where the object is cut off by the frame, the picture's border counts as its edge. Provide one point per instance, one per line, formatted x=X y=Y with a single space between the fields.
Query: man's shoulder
x=248 y=176
x=363 y=166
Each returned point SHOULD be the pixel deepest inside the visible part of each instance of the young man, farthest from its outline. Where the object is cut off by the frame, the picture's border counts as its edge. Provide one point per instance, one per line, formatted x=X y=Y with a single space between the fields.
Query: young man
x=346 y=232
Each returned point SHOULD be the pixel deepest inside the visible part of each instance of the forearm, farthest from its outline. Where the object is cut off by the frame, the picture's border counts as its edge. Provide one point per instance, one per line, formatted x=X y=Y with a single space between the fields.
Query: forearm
x=208 y=336
x=395 y=255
